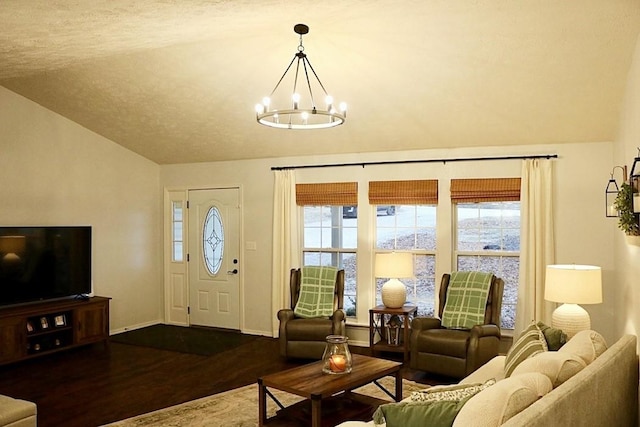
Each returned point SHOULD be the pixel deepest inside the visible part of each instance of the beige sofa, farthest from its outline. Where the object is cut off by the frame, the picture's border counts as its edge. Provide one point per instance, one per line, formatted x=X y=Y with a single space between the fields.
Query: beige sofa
x=601 y=392
x=16 y=412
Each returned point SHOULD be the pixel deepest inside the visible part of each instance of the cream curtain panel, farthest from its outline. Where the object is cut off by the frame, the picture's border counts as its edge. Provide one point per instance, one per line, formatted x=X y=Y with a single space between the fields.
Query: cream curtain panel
x=286 y=242
x=537 y=247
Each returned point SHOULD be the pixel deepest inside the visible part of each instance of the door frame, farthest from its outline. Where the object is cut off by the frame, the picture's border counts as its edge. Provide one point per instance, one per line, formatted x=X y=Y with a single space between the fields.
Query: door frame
x=176 y=273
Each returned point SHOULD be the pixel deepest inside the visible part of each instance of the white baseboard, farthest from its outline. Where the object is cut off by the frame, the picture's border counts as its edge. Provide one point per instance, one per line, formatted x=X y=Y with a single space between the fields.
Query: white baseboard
x=134 y=327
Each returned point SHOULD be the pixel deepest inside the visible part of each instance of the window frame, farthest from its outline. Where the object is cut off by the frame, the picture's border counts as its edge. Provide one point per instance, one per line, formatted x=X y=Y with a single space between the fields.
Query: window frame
x=482 y=253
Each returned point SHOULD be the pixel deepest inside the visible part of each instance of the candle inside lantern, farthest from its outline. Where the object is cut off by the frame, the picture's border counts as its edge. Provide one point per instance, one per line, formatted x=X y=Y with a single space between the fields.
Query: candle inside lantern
x=336 y=359
x=338 y=363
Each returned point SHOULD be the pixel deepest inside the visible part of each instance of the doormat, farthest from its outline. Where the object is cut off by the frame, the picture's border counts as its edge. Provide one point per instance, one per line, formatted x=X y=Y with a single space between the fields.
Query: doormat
x=193 y=340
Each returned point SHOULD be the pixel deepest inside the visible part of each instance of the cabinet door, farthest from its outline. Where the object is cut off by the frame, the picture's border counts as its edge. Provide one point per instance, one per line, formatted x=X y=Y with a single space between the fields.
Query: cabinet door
x=12 y=339
x=91 y=323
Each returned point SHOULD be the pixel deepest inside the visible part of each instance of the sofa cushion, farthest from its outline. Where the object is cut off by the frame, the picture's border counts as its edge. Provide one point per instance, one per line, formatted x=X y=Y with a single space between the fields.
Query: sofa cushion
x=555 y=337
x=496 y=404
x=494 y=368
x=435 y=406
x=455 y=392
x=530 y=342
x=558 y=367
x=586 y=344
x=418 y=414
x=17 y=412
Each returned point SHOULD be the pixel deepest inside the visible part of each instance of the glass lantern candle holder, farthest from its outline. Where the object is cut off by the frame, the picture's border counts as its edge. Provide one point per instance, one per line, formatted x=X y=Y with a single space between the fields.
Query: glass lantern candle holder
x=337 y=357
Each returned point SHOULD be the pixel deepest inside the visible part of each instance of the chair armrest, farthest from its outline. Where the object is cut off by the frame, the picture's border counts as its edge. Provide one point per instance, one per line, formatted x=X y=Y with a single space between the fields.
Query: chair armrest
x=419 y=324
x=484 y=341
x=339 y=322
x=424 y=323
x=285 y=314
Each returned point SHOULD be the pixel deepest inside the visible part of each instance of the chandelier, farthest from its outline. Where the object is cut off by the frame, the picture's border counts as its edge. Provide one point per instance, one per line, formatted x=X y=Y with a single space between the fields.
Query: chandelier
x=302 y=112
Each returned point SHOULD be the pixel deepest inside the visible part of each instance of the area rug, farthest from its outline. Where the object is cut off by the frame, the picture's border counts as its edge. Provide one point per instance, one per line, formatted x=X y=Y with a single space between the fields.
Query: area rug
x=193 y=340
x=239 y=407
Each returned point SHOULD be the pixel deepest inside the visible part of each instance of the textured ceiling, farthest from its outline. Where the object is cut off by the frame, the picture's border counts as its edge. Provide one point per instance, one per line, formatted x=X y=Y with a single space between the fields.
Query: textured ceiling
x=177 y=81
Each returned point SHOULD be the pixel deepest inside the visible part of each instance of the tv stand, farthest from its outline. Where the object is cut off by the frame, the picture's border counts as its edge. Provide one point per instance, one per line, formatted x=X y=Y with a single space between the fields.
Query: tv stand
x=33 y=330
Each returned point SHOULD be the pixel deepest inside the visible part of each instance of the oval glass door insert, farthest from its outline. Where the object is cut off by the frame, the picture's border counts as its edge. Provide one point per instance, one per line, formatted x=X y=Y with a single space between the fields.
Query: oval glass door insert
x=213 y=240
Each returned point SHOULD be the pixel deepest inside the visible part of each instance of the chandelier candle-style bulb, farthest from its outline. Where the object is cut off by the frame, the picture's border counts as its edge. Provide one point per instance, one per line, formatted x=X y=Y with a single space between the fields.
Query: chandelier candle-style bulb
x=303 y=113
x=329 y=101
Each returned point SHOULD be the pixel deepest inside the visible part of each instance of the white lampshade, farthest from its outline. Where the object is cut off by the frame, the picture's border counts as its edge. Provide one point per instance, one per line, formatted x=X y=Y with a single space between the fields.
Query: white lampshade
x=394 y=265
x=573 y=285
x=576 y=284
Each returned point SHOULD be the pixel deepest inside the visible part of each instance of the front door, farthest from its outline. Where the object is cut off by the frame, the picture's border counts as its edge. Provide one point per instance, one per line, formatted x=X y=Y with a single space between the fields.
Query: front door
x=214 y=241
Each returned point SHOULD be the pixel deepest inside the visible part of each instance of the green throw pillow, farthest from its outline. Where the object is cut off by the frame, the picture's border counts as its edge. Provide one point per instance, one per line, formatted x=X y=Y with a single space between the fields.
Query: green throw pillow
x=433 y=407
x=418 y=414
x=530 y=342
x=454 y=392
x=555 y=337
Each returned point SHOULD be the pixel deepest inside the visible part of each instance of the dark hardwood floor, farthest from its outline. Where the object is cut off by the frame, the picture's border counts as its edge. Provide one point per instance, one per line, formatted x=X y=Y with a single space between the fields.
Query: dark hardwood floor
x=95 y=385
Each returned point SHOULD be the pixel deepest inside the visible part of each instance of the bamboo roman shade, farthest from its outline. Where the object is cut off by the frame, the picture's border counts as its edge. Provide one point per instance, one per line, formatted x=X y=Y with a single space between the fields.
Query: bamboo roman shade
x=416 y=192
x=485 y=190
x=331 y=193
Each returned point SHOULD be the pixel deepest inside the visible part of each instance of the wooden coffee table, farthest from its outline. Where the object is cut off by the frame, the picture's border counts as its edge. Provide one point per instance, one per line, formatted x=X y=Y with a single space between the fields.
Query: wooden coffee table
x=317 y=388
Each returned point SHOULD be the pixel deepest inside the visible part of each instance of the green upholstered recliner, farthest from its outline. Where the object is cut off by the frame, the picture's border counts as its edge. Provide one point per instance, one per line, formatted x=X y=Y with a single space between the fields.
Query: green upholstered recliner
x=456 y=352
x=306 y=338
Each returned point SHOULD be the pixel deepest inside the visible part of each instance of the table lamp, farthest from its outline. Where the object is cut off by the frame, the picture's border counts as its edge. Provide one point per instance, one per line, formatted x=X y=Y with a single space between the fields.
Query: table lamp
x=572 y=285
x=394 y=265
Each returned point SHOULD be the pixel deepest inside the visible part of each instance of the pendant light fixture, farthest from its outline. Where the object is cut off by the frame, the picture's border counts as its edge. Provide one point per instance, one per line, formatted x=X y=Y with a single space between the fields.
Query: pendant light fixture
x=296 y=110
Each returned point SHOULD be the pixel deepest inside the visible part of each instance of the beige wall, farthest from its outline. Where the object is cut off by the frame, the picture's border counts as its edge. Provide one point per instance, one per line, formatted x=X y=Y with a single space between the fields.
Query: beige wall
x=584 y=235
x=55 y=172
x=627 y=257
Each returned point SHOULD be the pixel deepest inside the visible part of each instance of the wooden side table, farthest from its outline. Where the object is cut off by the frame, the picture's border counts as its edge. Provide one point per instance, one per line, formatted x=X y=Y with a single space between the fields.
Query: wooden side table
x=379 y=318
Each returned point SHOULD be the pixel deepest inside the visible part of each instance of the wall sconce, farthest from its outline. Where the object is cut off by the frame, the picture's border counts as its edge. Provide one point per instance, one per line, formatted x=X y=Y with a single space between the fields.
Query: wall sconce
x=611 y=192
x=634 y=181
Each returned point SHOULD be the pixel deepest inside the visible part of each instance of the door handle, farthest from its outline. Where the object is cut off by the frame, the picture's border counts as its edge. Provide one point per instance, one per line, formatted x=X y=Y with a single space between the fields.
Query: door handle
x=234 y=271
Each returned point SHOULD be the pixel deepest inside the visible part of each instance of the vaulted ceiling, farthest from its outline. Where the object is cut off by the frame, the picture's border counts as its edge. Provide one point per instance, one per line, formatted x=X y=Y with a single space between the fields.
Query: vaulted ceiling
x=177 y=81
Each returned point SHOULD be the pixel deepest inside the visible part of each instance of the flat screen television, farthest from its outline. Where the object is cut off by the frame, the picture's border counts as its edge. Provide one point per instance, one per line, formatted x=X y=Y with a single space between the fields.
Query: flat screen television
x=44 y=263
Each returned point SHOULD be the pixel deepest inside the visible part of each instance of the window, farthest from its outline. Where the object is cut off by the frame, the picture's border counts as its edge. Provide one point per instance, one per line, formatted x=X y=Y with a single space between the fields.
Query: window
x=213 y=241
x=411 y=229
x=330 y=239
x=487 y=237
x=406 y=221
x=177 y=225
x=329 y=236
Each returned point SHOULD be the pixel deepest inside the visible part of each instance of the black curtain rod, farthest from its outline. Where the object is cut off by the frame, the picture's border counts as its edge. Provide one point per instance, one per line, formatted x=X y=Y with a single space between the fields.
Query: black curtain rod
x=398 y=162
